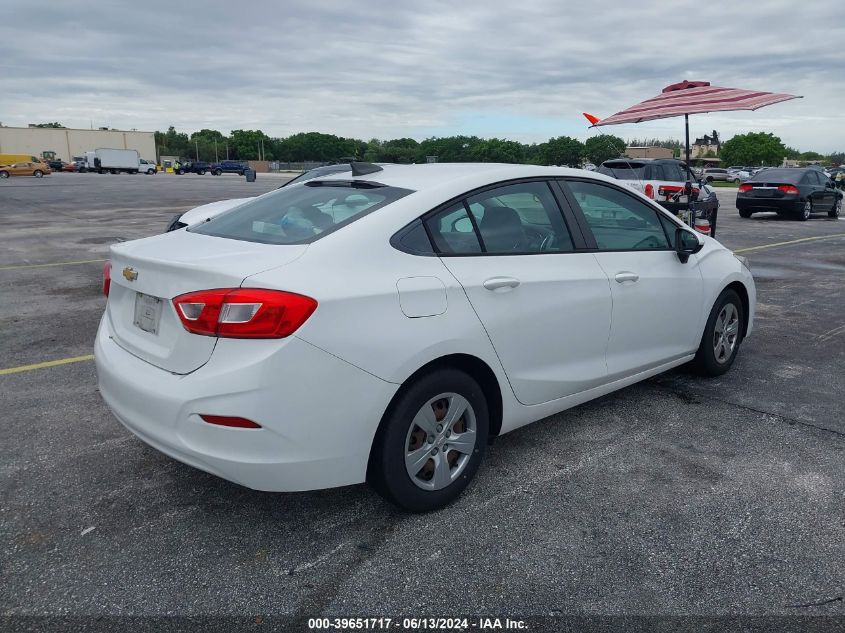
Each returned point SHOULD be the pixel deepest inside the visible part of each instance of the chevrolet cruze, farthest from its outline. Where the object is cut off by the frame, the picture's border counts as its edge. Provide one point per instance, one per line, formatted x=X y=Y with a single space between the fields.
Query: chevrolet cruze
x=384 y=324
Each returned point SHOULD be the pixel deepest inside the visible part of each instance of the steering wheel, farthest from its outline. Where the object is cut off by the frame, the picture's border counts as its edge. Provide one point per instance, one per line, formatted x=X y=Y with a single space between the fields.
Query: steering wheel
x=648 y=242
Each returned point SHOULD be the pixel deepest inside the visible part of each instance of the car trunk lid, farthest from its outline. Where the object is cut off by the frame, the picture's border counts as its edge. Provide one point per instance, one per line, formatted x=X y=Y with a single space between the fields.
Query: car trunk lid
x=147 y=274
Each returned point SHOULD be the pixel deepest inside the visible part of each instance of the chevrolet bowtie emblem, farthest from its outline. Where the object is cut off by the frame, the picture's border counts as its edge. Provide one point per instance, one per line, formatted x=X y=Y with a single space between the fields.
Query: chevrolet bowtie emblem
x=130 y=273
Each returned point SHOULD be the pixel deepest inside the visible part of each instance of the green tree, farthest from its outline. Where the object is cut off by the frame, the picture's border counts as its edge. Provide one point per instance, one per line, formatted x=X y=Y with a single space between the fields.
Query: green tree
x=52 y=125
x=399 y=150
x=603 y=147
x=562 y=150
x=837 y=158
x=810 y=156
x=247 y=144
x=172 y=143
x=451 y=149
x=754 y=148
x=496 y=150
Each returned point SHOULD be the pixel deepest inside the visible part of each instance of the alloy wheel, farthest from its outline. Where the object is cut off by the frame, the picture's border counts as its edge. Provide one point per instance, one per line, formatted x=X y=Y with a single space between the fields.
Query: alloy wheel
x=725 y=333
x=808 y=209
x=440 y=441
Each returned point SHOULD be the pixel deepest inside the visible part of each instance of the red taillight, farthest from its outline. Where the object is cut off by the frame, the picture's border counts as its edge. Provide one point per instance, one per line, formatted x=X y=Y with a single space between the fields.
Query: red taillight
x=649 y=191
x=788 y=189
x=106 y=278
x=746 y=187
x=243 y=312
x=226 y=420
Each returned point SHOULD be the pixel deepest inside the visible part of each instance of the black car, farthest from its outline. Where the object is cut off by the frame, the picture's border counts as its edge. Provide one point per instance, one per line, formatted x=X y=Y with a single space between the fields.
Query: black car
x=798 y=192
x=193 y=167
x=228 y=167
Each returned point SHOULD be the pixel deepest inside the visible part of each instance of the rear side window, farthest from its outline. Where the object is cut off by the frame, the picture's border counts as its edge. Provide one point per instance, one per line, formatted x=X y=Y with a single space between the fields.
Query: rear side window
x=618 y=221
x=623 y=170
x=452 y=231
x=521 y=218
x=301 y=214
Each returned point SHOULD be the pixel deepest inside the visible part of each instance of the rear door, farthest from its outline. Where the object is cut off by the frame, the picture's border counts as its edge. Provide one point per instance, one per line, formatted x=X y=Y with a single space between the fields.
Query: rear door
x=657 y=300
x=544 y=302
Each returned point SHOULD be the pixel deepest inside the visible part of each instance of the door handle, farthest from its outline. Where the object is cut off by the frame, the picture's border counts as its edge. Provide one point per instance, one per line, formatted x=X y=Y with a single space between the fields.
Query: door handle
x=500 y=283
x=626 y=276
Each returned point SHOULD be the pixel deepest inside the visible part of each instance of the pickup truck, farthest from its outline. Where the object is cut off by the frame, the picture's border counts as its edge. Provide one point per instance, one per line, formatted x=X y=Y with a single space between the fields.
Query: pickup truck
x=228 y=167
x=193 y=167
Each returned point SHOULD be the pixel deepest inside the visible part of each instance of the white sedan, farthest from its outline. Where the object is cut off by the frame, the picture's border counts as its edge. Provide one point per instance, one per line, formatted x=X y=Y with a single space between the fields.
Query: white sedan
x=383 y=325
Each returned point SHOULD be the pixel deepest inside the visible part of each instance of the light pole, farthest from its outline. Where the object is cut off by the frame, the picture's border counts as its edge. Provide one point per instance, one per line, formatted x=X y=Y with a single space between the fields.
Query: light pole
x=216 y=160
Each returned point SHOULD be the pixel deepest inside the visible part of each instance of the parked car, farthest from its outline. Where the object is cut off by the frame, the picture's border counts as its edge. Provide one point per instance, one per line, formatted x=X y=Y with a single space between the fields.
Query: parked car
x=798 y=192
x=713 y=174
x=661 y=179
x=193 y=167
x=70 y=167
x=228 y=167
x=56 y=165
x=205 y=212
x=25 y=169
x=473 y=300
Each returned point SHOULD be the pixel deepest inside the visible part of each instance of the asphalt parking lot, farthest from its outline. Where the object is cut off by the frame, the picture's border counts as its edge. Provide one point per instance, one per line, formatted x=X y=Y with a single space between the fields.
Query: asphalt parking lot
x=678 y=496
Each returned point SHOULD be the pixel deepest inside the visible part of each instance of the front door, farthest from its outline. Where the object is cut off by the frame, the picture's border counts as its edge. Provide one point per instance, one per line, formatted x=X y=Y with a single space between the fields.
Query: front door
x=658 y=311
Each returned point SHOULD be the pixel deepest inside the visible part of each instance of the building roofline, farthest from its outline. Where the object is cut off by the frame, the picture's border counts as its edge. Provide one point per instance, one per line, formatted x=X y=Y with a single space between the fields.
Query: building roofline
x=73 y=129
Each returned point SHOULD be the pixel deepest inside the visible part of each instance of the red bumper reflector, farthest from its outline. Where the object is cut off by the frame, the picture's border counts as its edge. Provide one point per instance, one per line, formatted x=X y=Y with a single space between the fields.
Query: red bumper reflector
x=106 y=277
x=225 y=420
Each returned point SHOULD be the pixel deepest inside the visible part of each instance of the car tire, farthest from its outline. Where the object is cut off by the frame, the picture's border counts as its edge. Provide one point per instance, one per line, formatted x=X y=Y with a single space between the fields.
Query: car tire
x=4 y=174
x=722 y=335
x=709 y=179
x=441 y=472
x=745 y=213
x=806 y=211
x=240 y=173
x=836 y=210
x=217 y=172
x=151 y=172
x=38 y=173
x=201 y=172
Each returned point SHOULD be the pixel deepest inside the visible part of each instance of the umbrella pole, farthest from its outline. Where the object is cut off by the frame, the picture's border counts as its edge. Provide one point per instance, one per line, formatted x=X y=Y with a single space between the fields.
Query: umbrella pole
x=690 y=218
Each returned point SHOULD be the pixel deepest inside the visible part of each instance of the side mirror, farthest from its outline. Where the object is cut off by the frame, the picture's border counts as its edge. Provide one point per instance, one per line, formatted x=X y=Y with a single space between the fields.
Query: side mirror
x=686 y=244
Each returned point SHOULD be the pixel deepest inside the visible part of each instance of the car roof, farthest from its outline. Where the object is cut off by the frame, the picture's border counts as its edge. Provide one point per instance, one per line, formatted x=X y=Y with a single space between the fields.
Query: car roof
x=434 y=175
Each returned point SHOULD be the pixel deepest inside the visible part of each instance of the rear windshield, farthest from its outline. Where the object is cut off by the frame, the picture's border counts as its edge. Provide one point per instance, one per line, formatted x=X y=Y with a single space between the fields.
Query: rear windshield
x=786 y=175
x=623 y=171
x=302 y=213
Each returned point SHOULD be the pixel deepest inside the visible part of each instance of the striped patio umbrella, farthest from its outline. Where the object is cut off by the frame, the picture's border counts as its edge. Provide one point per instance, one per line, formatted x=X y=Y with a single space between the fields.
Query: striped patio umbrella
x=693 y=97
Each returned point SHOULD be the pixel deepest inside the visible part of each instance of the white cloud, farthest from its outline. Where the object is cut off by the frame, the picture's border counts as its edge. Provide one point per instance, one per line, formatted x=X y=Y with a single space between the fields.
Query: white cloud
x=412 y=69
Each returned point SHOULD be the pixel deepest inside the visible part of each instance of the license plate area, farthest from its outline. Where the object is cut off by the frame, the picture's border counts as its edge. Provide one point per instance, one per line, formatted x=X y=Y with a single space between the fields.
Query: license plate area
x=147 y=312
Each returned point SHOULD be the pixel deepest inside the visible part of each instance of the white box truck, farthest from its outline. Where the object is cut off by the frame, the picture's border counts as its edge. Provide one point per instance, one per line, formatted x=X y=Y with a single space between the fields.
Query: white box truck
x=113 y=161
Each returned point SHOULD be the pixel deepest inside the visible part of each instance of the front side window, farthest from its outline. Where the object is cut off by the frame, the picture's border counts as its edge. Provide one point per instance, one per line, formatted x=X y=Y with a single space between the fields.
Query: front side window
x=299 y=215
x=618 y=221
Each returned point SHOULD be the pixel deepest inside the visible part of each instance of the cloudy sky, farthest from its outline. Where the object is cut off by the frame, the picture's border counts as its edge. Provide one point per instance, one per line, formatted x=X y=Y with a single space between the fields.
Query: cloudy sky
x=519 y=70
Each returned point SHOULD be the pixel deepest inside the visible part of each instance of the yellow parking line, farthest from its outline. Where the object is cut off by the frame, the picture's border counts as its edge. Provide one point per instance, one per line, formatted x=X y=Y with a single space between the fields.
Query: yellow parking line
x=49 y=363
x=803 y=239
x=85 y=261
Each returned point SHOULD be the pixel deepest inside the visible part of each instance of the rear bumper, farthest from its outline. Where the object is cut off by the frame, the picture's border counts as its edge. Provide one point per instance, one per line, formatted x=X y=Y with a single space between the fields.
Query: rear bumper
x=770 y=204
x=318 y=413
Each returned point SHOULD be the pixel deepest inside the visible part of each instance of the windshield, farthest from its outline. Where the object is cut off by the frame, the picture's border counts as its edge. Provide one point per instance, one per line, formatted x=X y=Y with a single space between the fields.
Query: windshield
x=301 y=214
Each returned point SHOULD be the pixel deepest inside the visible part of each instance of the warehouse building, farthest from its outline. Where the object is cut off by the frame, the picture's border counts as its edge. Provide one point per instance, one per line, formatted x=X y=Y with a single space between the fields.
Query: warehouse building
x=66 y=142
